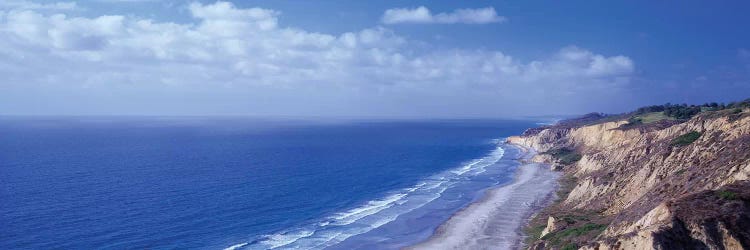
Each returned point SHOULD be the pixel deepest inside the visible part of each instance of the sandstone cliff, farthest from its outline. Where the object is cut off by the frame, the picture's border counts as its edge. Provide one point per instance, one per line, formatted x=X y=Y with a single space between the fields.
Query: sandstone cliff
x=642 y=188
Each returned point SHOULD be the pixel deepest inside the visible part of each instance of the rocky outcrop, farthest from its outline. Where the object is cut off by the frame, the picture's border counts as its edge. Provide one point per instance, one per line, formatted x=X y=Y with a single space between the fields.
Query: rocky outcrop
x=651 y=188
x=551 y=226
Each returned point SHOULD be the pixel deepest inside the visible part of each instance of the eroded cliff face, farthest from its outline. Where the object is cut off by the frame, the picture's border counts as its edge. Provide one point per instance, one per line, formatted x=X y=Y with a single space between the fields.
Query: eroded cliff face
x=641 y=181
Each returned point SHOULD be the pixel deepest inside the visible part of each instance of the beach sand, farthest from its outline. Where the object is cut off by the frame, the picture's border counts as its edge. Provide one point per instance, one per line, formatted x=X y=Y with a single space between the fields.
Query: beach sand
x=495 y=221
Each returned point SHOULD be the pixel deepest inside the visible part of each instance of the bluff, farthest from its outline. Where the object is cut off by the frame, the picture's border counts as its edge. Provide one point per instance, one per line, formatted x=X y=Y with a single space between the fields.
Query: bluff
x=659 y=184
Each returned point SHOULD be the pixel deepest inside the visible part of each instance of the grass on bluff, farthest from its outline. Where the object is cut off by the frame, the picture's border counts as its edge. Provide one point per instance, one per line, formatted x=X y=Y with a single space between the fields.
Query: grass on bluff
x=570 y=246
x=686 y=139
x=646 y=118
x=533 y=233
x=655 y=113
x=654 y=117
x=564 y=156
x=680 y=172
x=576 y=227
x=568 y=236
x=567 y=183
x=727 y=195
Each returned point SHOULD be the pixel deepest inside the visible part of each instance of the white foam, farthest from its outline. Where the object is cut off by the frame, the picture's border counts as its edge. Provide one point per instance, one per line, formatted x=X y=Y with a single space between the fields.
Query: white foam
x=493 y=158
x=493 y=222
x=466 y=167
x=370 y=208
x=356 y=217
x=341 y=236
x=480 y=165
x=351 y=216
x=376 y=213
x=322 y=241
x=415 y=187
x=280 y=240
x=436 y=184
x=236 y=246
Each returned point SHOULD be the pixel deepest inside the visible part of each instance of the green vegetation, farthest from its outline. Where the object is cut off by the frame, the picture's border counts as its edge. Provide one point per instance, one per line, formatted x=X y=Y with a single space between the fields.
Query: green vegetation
x=686 y=139
x=564 y=156
x=570 y=246
x=681 y=112
x=727 y=195
x=570 y=219
x=646 y=118
x=534 y=233
x=566 y=235
x=574 y=227
x=653 y=113
x=578 y=231
x=635 y=120
x=587 y=119
x=567 y=183
x=570 y=159
x=743 y=104
x=680 y=172
x=654 y=117
x=632 y=122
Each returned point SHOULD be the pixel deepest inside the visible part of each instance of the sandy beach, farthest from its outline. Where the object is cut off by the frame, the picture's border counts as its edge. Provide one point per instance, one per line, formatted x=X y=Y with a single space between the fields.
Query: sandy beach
x=495 y=221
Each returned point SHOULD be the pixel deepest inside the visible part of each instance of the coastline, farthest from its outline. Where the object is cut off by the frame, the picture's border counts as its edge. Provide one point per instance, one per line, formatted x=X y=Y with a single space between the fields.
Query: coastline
x=496 y=220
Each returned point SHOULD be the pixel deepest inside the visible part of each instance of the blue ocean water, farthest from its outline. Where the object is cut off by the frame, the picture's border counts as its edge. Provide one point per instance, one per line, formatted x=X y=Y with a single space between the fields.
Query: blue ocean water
x=214 y=183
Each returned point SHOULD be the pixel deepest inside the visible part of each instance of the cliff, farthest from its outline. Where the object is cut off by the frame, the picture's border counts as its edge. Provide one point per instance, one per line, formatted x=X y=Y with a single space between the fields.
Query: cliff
x=665 y=185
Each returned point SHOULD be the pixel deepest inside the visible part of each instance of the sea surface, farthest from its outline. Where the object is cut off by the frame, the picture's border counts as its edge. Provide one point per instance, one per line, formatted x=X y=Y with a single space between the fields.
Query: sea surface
x=241 y=183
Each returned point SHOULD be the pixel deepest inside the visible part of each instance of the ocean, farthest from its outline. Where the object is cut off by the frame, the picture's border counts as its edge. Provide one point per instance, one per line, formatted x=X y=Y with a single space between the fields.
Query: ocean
x=241 y=183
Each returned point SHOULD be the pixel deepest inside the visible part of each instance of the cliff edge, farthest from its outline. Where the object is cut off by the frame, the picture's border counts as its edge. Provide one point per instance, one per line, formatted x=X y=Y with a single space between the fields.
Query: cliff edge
x=639 y=182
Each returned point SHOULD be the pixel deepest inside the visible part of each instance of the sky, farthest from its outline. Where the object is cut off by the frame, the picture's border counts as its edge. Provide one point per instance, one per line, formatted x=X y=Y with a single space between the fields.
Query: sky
x=402 y=59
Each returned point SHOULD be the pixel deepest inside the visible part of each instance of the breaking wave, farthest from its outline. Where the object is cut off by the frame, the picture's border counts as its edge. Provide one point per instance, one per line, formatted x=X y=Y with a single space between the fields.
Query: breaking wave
x=372 y=214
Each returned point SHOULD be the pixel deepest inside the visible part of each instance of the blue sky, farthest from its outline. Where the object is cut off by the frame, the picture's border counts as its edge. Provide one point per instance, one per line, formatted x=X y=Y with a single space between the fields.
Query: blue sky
x=368 y=58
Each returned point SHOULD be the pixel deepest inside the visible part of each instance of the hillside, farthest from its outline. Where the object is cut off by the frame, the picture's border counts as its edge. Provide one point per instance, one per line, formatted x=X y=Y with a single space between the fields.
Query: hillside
x=647 y=180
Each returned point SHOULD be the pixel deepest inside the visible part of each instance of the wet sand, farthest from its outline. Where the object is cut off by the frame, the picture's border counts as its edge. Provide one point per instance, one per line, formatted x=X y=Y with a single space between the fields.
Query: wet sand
x=495 y=221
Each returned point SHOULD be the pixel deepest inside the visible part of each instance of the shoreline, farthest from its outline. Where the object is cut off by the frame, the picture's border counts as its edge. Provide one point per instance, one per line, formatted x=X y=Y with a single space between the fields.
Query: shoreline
x=496 y=220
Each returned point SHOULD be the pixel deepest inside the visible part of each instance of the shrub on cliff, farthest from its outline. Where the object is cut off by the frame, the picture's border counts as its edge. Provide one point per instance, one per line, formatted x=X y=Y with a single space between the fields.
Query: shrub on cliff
x=743 y=104
x=570 y=159
x=727 y=195
x=681 y=111
x=686 y=139
x=570 y=246
x=632 y=122
x=571 y=235
x=564 y=156
x=684 y=111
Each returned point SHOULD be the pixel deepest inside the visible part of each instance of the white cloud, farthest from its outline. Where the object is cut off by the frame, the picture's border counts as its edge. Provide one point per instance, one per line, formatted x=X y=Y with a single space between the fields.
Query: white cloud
x=243 y=60
x=423 y=15
x=126 y=1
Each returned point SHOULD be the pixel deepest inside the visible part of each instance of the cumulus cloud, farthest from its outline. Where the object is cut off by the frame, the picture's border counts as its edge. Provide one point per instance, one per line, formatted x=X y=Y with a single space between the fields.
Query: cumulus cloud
x=234 y=60
x=423 y=15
